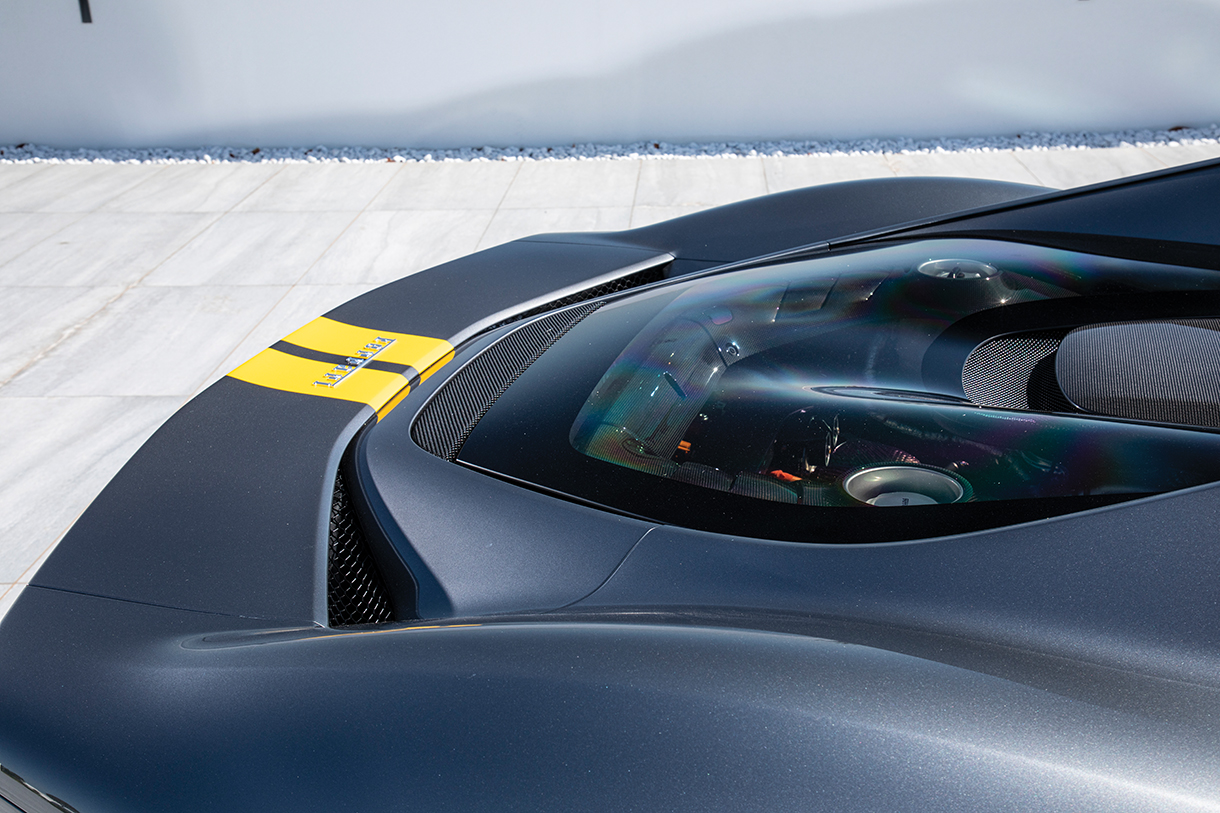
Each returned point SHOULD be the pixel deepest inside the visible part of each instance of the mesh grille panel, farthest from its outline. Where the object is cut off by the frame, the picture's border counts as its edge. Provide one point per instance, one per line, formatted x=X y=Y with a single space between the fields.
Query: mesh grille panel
x=449 y=418
x=355 y=592
x=762 y=488
x=1044 y=393
x=998 y=373
x=706 y=476
x=1167 y=372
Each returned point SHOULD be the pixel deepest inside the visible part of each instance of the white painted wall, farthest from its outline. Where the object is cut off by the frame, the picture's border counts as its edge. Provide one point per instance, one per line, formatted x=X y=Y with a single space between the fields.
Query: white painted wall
x=531 y=72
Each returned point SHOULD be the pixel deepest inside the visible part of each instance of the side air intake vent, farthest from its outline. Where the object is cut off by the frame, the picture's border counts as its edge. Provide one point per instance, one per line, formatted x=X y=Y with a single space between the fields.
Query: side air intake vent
x=449 y=418
x=355 y=592
x=1015 y=372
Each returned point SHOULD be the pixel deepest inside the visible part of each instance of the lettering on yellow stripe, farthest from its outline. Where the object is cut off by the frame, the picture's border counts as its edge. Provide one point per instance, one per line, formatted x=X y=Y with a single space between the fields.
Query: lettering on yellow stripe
x=350 y=380
x=361 y=357
x=283 y=371
x=329 y=336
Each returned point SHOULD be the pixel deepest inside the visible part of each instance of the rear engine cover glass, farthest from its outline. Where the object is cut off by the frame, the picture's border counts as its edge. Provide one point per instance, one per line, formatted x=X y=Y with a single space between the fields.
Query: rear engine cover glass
x=778 y=401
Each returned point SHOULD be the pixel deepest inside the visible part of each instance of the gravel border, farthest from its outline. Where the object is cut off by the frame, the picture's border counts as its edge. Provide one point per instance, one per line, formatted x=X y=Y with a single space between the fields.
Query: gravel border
x=33 y=153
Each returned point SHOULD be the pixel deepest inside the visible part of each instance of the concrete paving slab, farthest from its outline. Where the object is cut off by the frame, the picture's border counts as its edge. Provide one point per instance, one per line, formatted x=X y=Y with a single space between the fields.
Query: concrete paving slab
x=21 y=231
x=151 y=341
x=382 y=246
x=513 y=224
x=547 y=184
x=253 y=248
x=797 y=171
x=1178 y=154
x=993 y=166
x=73 y=187
x=194 y=188
x=103 y=248
x=320 y=188
x=1063 y=169
x=448 y=185
x=11 y=173
x=35 y=319
x=299 y=305
x=50 y=475
x=699 y=182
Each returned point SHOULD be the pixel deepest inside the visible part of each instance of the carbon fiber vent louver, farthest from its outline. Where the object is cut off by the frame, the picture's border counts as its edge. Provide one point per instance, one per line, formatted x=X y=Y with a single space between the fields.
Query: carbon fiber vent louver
x=355 y=592
x=449 y=418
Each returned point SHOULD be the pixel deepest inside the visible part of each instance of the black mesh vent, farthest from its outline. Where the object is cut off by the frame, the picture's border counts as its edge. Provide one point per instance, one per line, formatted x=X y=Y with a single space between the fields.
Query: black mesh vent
x=698 y=474
x=1043 y=391
x=355 y=592
x=1167 y=372
x=762 y=488
x=1000 y=372
x=449 y=418
x=648 y=275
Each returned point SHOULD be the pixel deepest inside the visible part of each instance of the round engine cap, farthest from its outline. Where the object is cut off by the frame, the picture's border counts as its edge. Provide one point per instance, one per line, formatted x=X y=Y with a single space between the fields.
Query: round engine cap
x=957 y=269
x=903 y=485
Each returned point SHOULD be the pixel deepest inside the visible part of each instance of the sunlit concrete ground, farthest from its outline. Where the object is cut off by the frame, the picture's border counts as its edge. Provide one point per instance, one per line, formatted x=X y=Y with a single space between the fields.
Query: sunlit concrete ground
x=126 y=289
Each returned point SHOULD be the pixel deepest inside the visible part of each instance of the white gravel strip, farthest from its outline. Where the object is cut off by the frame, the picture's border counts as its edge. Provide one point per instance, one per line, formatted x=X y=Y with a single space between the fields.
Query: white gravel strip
x=33 y=153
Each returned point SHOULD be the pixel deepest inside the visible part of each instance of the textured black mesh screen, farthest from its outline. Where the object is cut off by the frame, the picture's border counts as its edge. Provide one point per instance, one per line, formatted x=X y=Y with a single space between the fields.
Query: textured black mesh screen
x=355 y=591
x=1166 y=371
x=449 y=418
x=706 y=476
x=1000 y=372
x=1043 y=392
x=763 y=488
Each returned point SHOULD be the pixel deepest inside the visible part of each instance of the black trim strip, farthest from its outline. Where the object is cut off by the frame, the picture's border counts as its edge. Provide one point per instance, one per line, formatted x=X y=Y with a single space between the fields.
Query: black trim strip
x=337 y=358
x=86 y=16
x=1164 y=252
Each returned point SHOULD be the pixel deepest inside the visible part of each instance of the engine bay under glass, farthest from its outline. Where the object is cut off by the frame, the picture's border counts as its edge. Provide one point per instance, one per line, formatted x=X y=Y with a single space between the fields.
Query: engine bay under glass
x=913 y=375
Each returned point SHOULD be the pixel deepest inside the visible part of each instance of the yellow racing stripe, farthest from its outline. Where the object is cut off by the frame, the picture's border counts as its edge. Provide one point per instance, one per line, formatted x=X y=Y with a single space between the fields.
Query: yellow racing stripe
x=329 y=336
x=349 y=380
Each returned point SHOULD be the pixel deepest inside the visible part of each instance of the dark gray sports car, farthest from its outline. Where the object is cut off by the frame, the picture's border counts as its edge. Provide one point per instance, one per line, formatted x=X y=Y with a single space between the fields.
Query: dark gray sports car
x=893 y=495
